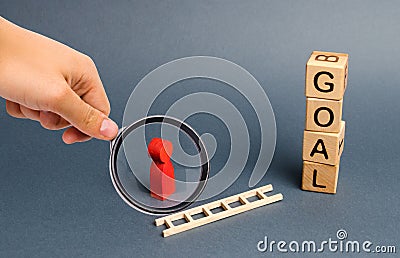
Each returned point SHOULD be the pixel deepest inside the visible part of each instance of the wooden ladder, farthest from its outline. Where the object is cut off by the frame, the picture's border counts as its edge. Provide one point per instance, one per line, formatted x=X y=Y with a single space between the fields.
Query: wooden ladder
x=209 y=216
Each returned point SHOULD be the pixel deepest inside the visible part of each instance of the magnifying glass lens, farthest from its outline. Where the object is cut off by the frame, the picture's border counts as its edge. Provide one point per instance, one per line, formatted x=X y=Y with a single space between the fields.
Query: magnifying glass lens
x=154 y=186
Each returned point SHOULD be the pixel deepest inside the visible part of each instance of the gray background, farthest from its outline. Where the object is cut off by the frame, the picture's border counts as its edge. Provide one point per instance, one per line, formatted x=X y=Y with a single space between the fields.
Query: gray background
x=58 y=200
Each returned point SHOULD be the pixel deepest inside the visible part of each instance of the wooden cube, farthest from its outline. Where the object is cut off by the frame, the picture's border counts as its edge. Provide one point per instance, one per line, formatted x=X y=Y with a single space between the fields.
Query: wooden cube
x=326 y=75
x=322 y=147
x=319 y=177
x=323 y=115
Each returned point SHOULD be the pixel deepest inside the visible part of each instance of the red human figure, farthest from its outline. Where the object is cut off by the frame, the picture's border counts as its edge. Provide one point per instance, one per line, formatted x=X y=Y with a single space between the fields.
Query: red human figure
x=162 y=178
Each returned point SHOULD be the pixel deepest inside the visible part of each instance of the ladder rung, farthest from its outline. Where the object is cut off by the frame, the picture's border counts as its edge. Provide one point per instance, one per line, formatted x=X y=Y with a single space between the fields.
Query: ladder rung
x=168 y=223
x=207 y=211
x=261 y=195
x=188 y=217
x=225 y=206
x=243 y=200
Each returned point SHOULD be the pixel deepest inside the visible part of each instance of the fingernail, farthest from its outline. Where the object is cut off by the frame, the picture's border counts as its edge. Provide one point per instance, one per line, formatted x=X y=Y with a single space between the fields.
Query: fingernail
x=108 y=128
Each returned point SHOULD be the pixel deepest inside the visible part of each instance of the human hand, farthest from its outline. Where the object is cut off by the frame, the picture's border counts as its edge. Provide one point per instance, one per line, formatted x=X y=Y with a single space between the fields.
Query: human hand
x=46 y=81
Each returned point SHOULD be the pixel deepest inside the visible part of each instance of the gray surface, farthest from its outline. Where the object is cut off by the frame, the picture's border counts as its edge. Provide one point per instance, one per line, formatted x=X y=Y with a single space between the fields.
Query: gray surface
x=58 y=200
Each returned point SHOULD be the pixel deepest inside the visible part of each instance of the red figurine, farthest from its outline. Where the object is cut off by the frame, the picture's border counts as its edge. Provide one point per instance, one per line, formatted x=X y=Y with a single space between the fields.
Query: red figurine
x=162 y=178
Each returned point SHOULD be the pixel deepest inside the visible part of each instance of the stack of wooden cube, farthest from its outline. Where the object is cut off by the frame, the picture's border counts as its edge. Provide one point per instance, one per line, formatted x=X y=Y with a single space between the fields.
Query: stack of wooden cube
x=326 y=80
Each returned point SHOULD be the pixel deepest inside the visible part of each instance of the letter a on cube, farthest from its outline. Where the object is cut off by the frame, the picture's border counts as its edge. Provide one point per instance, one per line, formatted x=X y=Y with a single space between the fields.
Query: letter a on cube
x=324 y=147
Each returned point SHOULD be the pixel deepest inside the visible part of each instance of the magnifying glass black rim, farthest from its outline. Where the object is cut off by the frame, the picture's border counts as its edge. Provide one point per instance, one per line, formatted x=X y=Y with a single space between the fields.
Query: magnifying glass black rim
x=199 y=145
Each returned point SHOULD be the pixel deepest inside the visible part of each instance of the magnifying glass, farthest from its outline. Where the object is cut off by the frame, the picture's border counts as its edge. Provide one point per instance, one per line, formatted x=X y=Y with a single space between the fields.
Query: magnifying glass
x=130 y=164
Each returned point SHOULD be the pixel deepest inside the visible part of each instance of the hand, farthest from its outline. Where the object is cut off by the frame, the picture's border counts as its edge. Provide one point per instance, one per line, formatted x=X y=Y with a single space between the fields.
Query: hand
x=46 y=81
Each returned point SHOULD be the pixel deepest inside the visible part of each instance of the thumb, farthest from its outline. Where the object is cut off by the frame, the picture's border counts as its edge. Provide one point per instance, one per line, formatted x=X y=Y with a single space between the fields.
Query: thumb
x=84 y=117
